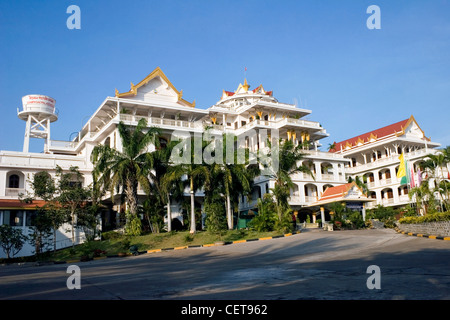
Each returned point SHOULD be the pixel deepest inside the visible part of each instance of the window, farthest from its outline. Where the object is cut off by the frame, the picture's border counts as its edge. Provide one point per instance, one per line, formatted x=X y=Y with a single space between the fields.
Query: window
x=13 y=218
x=29 y=218
x=13 y=181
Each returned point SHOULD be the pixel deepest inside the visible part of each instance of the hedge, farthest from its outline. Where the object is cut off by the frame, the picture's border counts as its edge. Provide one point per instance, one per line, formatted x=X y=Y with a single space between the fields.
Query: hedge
x=432 y=217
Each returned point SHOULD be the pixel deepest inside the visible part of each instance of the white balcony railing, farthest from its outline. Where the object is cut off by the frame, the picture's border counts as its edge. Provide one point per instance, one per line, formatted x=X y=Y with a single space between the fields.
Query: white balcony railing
x=14 y=192
x=388 y=201
x=310 y=199
x=161 y=121
x=393 y=159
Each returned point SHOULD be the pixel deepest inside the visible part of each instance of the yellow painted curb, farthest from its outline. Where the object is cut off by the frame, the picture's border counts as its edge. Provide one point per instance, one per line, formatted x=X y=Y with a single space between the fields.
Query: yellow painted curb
x=420 y=235
x=99 y=258
x=209 y=245
x=266 y=238
x=72 y=261
x=446 y=238
x=154 y=250
x=180 y=248
x=410 y=233
x=432 y=237
x=288 y=234
x=239 y=241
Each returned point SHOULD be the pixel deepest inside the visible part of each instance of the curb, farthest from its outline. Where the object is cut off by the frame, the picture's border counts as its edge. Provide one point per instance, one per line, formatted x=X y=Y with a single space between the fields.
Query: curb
x=220 y=243
x=429 y=236
x=184 y=247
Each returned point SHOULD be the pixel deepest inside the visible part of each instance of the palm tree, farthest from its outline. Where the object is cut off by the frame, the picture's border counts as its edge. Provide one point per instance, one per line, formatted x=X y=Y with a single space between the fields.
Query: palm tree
x=435 y=164
x=288 y=156
x=164 y=181
x=125 y=169
x=233 y=177
x=423 y=195
x=194 y=172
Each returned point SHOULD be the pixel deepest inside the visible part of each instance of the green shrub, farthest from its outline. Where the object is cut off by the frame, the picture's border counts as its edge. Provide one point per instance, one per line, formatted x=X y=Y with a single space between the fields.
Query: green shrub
x=266 y=218
x=215 y=216
x=356 y=220
x=432 y=217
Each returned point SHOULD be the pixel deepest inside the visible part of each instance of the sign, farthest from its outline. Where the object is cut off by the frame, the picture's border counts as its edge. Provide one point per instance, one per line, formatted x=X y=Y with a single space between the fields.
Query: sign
x=354 y=205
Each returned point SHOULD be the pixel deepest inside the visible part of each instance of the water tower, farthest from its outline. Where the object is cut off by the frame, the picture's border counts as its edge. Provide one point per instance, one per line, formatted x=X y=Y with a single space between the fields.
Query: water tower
x=38 y=111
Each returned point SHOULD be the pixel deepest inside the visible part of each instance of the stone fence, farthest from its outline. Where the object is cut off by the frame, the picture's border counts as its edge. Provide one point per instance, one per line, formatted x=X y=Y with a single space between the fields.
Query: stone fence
x=438 y=228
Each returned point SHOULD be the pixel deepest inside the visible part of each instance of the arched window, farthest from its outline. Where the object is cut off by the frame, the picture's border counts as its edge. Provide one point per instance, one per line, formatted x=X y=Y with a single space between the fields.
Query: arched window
x=108 y=142
x=13 y=181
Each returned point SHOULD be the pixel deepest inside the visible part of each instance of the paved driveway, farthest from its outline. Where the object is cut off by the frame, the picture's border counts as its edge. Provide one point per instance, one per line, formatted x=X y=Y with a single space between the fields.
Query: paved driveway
x=309 y=265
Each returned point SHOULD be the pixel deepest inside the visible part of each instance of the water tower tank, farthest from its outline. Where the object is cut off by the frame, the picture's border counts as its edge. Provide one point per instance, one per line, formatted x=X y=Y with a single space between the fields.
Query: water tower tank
x=40 y=106
x=38 y=111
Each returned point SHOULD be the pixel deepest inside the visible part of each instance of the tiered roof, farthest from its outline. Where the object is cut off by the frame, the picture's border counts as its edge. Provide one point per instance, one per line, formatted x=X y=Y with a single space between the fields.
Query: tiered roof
x=395 y=129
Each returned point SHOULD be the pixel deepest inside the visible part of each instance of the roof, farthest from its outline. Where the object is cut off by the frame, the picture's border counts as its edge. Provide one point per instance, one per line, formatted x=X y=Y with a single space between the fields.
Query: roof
x=155 y=73
x=341 y=193
x=336 y=192
x=372 y=135
x=245 y=87
x=17 y=204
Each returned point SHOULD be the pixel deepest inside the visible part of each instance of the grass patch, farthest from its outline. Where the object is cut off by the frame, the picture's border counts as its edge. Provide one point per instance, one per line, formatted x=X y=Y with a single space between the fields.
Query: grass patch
x=115 y=245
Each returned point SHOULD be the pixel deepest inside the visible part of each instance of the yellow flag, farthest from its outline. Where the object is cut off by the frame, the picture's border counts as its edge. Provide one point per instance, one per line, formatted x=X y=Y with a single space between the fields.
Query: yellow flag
x=401 y=174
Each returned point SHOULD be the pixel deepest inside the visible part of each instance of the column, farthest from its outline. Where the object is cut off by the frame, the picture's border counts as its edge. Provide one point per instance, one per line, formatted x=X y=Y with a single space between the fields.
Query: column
x=364 y=211
x=335 y=171
x=322 y=214
x=318 y=170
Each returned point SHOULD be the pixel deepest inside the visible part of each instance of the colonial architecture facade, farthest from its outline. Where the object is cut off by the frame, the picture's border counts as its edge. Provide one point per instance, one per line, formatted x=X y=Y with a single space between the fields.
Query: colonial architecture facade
x=255 y=115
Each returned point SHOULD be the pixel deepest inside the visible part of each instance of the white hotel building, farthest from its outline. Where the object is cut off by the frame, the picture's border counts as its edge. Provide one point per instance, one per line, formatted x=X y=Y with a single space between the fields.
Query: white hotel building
x=243 y=112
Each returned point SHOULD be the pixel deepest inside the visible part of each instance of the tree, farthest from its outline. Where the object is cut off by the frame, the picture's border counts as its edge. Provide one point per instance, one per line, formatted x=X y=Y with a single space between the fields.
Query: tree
x=422 y=195
x=186 y=163
x=11 y=240
x=435 y=164
x=49 y=217
x=266 y=219
x=164 y=190
x=72 y=197
x=289 y=156
x=125 y=169
x=232 y=176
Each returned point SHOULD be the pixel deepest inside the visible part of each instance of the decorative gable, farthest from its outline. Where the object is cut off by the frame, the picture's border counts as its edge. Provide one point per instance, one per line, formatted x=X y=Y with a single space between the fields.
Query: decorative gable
x=412 y=129
x=156 y=86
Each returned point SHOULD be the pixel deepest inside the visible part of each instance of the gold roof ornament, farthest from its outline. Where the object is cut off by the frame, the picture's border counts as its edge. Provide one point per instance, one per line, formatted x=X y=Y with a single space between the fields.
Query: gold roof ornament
x=246 y=85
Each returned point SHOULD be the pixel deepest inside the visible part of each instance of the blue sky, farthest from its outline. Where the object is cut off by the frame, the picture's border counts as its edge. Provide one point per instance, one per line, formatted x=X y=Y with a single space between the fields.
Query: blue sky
x=319 y=54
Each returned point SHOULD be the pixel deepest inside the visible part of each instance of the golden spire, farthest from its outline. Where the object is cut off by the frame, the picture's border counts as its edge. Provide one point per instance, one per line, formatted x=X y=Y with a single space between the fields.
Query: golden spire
x=246 y=85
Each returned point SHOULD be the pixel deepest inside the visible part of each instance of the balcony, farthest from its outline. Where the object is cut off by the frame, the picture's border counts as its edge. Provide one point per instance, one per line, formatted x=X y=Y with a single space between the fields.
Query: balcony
x=14 y=192
x=390 y=160
x=174 y=123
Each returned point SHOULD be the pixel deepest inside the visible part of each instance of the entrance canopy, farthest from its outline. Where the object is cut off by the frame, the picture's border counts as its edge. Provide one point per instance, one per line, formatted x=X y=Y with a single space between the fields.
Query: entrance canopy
x=350 y=194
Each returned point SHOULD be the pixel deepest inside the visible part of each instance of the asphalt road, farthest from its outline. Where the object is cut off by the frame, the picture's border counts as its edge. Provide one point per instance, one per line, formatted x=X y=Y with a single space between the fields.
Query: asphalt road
x=307 y=266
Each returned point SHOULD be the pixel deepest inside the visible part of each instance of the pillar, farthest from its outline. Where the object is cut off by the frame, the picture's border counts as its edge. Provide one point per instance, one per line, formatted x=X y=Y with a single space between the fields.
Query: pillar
x=322 y=214
x=364 y=211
